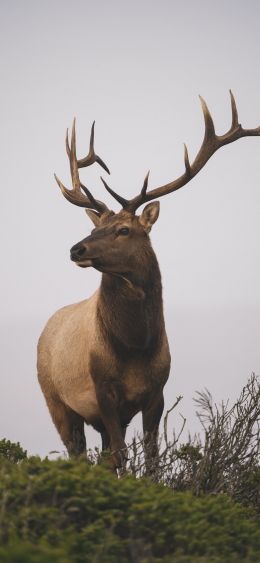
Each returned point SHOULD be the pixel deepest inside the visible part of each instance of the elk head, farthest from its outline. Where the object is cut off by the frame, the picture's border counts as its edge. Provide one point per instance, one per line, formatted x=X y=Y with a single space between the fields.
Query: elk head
x=119 y=238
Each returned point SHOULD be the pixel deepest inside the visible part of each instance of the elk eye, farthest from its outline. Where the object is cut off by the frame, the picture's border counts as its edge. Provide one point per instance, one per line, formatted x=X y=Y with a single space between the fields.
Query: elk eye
x=124 y=231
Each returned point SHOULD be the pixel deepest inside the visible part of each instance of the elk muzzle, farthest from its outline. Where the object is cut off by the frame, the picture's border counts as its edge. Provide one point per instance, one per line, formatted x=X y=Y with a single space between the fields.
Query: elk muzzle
x=79 y=253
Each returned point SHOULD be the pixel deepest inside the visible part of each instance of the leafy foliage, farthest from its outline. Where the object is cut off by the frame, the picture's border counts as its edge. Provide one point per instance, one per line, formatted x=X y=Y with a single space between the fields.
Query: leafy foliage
x=71 y=511
x=199 y=505
x=12 y=452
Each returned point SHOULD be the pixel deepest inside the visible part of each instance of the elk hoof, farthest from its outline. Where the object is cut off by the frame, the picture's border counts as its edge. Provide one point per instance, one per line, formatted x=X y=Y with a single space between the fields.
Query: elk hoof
x=119 y=458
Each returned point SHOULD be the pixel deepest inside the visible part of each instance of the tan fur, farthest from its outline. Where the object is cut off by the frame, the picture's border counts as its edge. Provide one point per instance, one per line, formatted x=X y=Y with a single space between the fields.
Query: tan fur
x=64 y=350
x=63 y=356
x=106 y=358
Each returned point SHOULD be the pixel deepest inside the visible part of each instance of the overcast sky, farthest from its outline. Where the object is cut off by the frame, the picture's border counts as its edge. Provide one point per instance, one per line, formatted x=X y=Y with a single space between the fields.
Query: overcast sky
x=137 y=69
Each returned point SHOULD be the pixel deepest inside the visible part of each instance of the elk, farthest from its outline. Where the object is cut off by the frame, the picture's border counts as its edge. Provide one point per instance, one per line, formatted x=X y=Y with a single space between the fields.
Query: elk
x=105 y=359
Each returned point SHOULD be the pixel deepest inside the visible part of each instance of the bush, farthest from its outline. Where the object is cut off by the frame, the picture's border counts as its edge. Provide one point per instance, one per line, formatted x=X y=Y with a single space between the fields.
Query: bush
x=200 y=503
x=12 y=452
x=70 y=511
x=224 y=459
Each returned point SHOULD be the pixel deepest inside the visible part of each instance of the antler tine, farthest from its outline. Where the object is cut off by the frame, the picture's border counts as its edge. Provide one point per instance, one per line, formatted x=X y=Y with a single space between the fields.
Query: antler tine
x=187 y=160
x=209 y=123
x=119 y=198
x=73 y=160
x=92 y=138
x=236 y=130
x=143 y=192
x=75 y=195
x=210 y=144
x=67 y=142
x=234 y=111
x=96 y=204
x=145 y=184
x=126 y=204
x=91 y=156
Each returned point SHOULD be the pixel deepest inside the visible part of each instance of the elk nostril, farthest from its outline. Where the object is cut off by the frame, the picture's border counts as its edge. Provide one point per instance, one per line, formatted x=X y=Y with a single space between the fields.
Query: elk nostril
x=76 y=252
x=80 y=251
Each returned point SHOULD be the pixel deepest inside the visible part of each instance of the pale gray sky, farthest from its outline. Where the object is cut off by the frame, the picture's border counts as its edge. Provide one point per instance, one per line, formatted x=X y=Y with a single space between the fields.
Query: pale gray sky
x=137 y=68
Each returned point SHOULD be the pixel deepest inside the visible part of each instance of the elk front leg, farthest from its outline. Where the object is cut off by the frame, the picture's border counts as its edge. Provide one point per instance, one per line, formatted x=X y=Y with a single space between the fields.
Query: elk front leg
x=106 y=439
x=108 y=393
x=108 y=401
x=151 y=419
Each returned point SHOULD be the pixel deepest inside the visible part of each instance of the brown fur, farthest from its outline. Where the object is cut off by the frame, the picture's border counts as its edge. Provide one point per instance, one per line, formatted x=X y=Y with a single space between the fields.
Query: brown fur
x=105 y=359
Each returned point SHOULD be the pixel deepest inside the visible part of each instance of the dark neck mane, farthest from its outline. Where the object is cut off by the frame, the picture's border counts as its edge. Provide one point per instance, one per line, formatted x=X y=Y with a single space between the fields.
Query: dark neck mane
x=130 y=310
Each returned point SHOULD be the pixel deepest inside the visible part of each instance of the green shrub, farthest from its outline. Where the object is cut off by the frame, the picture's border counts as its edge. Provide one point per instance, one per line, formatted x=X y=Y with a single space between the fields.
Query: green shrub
x=201 y=503
x=70 y=511
x=22 y=552
x=12 y=452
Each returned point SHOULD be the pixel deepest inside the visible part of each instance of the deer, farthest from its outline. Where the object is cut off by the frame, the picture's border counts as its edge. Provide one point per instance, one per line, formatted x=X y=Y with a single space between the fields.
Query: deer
x=105 y=359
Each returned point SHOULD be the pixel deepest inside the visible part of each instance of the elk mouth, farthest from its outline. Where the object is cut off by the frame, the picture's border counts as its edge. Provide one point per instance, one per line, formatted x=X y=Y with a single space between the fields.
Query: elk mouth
x=83 y=263
x=80 y=260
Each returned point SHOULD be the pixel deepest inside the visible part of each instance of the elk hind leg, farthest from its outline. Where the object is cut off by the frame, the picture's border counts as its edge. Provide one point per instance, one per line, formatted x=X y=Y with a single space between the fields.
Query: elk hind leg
x=69 y=424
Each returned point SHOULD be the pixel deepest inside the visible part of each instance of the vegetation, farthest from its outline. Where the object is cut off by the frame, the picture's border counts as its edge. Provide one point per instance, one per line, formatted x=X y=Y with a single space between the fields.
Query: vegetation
x=12 y=452
x=224 y=459
x=199 y=504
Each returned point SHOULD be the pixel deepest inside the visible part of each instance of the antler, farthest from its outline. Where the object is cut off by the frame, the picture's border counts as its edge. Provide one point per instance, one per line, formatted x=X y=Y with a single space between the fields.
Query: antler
x=211 y=143
x=91 y=156
x=75 y=195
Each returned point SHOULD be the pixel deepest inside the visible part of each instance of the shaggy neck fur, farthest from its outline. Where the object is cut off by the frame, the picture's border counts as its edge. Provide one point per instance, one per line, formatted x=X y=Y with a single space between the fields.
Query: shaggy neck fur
x=130 y=310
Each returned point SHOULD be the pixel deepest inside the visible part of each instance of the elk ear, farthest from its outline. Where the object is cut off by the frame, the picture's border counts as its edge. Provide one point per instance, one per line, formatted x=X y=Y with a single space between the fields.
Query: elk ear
x=149 y=215
x=94 y=216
